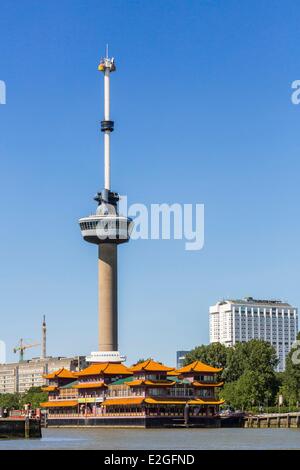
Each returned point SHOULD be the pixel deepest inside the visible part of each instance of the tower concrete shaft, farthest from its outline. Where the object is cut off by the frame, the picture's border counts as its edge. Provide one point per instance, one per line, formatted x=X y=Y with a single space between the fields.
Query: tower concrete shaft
x=108 y=297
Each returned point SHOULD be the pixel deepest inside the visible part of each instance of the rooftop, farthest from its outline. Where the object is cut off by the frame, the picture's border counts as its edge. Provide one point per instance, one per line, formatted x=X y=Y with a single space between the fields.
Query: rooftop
x=198 y=367
x=105 y=368
x=61 y=374
x=84 y=385
x=151 y=383
x=252 y=301
x=150 y=366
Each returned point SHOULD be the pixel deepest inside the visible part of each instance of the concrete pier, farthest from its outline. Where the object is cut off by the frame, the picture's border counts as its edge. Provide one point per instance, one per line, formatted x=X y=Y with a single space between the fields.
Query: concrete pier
x=20 y=427
x=273 y=420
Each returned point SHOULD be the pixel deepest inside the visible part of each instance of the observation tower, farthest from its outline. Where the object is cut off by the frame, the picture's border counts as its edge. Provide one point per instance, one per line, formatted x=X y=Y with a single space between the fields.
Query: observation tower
x=107 y=229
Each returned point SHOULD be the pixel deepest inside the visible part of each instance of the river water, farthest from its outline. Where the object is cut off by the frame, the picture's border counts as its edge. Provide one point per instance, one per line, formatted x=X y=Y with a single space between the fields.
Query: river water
x=134 y=439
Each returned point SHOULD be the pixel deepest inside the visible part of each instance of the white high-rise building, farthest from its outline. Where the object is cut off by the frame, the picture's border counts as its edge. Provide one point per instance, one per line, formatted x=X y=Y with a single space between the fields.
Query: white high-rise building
x=274 y=321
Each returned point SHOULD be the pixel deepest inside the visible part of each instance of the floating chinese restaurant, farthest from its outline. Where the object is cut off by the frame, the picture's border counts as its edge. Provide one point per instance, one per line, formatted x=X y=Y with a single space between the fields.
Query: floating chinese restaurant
x=148 y=394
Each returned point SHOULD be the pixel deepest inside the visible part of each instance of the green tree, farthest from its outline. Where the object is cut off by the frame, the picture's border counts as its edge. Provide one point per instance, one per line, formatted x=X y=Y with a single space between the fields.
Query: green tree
x=291 y=377
x=34 y=396
x=248 y=371
x=235 y=363
x=260 y=356
x=214 y=354
x=254 y=355
x=16 y=401
x=10 y=401
x=251 y=389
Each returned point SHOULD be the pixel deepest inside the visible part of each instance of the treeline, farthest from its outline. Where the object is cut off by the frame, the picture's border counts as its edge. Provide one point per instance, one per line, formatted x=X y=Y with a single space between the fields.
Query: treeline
x=249 y=374
x=16 y=401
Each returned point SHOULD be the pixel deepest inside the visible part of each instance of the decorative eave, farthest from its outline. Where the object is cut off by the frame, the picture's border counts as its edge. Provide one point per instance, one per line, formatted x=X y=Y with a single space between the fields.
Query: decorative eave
x=159 y=401
x=85 y=385
x=61 y=374
x=105 y=369
x=198 y=367
x=203 y=401
x=207 y=385
x=150 y=383
x=165 y=401
x=59 y=404
x=172 y=373
x=150 y=366
x=123 y=401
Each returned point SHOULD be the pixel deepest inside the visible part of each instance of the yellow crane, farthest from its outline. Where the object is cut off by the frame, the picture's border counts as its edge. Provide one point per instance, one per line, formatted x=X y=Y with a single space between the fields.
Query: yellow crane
x=22 y=346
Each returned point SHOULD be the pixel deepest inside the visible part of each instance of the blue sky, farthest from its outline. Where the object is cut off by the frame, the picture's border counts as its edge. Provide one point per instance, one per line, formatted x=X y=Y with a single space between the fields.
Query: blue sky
x=203 y=112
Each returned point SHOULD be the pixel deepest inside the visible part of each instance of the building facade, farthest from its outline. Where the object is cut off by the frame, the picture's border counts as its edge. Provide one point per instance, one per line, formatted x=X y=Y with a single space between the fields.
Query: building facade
x=19 y=377
x=180 y=358
x=274 y=321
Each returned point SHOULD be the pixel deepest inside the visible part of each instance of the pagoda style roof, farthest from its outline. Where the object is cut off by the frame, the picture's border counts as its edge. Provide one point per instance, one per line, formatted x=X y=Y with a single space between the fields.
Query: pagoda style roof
x=197 y=366
x=159 y=401
x=105 y=368
x=150 y=366
x=165 y=401
x=59 y=404
x=123 y=401
x=172 y=373
x=61 y=374
x=206 y=385
x=205 y=401
x=90 y=385
x=150 y=383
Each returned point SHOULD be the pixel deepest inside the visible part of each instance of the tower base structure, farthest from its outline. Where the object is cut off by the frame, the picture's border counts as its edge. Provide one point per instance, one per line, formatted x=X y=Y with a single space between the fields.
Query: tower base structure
x=105 y=356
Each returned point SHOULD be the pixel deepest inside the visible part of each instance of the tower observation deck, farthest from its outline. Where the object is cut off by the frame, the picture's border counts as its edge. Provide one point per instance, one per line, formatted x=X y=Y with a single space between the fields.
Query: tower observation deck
x=107 y=229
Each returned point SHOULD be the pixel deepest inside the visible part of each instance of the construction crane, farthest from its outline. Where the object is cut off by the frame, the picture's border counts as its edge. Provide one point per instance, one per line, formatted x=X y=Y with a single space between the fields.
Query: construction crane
x=22 y=346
